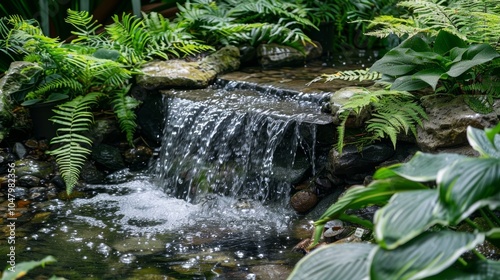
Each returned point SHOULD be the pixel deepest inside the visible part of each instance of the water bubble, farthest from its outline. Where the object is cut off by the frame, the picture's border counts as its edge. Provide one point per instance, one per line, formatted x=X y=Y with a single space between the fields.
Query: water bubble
x=127 y=258
x=104 y=249
x=251 y=276
x=239 y=254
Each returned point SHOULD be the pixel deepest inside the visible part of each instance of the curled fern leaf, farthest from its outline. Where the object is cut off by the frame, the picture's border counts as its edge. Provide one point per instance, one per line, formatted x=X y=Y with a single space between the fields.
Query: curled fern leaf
x=74 y=117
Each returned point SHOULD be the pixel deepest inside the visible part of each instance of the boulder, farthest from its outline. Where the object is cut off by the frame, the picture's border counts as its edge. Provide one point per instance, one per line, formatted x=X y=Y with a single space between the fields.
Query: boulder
x=178 y=73
x=448 y=119
x=355 y=161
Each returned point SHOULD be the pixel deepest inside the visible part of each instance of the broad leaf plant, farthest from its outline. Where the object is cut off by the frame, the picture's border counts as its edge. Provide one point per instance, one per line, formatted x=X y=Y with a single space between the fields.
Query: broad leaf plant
x=430 y=224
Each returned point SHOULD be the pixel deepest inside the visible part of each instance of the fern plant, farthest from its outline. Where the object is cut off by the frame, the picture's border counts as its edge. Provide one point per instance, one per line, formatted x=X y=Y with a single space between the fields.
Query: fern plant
x=252 y=22
x=74 y=117
x=475 y=21
x=393 y=113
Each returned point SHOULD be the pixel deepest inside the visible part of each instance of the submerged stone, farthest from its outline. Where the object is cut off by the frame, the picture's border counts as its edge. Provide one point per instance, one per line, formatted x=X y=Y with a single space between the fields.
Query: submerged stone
x=40 y=169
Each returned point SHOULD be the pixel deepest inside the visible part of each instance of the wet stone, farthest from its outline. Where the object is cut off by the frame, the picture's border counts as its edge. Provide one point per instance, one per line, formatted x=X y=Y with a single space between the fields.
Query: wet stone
x=303 y=201
x=138 y=158
x=20 y=150
x=31 y=143
x=108 y=156
x=20 y=192
x=28 y=181
x=32 y=167
x=38 y=194
x=353 y=161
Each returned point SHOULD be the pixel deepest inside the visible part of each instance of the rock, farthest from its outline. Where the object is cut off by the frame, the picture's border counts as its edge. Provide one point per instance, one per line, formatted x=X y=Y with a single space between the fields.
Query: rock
x=20 y=192
x=38 y=194
x=341 y=97
x=139 y=246
x=176 y=73
x=303 y=201
x=5 y=159
x=352 y=161
x=40 y=169
x=28 y=181
x=19 y=150
x=275 y=55
x=150 y=117
x=271 y=271
x=102 y=130
x=19 y=72
x=137 y=158
x=108 y=156
x=91 y=175
x=449 y=118
x=31 y=143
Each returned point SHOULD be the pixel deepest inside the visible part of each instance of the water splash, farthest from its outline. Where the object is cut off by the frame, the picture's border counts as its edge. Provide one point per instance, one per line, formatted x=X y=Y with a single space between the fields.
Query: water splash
x=232 y=141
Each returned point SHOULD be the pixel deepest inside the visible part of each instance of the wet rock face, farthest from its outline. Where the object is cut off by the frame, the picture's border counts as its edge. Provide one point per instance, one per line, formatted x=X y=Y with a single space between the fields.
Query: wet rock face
x=178 y=73
x=108 y=157
x=449 y=118
x=137 y=158
x=352 y=161
x=40 y=169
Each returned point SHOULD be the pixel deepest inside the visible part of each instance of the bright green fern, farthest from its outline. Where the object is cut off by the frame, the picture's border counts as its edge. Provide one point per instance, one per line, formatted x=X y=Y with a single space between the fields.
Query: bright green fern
x=74 y=117
x=124 y=106
x=393 y=113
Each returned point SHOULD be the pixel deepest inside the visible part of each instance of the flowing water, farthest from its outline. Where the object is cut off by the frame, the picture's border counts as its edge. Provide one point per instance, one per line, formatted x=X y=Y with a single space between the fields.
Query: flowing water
x=213 y=206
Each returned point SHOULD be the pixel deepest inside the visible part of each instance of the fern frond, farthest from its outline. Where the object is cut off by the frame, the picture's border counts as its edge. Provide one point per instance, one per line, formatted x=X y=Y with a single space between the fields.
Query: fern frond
x=75 y=118
x=85 y=25
x=349 y=75
x=124 y=106
x=55 y=84
x=393 y=112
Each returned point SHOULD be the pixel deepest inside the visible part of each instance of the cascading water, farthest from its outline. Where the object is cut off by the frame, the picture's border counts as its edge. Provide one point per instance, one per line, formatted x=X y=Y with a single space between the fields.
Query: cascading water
x=217 y=207
x=234 y=142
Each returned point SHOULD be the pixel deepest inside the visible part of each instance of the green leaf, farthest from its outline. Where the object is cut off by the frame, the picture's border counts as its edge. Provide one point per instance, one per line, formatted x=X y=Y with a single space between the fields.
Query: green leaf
x=423 y=256
x=408 y=83
x=334 y=261
x=429 y=76
x=422 y=167
x=378 y=192
x=22 y=268
x=480 y=141
x=407 y=215
x=492 y=132
x=476 y=270
x=446 y=41
x=475 y=55
x=468 y=185
x=395 y=62
x=416 y=43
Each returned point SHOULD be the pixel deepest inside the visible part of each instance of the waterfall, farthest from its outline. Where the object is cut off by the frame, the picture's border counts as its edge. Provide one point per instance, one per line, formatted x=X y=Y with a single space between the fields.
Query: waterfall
x=234 y=142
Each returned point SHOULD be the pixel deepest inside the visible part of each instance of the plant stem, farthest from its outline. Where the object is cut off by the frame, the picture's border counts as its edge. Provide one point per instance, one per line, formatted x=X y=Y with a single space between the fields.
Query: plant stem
x=486 y=218
x=479 y=255
x=495 y=218
x=472 y=224
x=462 y=261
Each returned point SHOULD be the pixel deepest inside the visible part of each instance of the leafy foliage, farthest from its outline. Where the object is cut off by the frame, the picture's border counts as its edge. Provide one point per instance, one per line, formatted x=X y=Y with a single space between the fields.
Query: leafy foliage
x=75 y=118
x=23 y=268
x=447 y=64
x=393 y=112
x=473 y=21
x=349 y=75
x=123 y=106
x=252 y=22
x=417 y=232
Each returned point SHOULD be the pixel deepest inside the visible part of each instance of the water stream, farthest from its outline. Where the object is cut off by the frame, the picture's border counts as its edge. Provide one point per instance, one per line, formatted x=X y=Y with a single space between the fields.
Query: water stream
x=214 y=204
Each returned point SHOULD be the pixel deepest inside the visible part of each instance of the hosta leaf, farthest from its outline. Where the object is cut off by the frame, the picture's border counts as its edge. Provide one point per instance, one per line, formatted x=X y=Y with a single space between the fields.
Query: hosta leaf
x=335 y=261
x=423 y=256
x=378 y=192
x=479 y=140
x=446 y=41
x=429 y=76
x=407 y=215
x=394 y=63
x=408 y=83
x=421 y=168
x=469 y=184
x=479 y=270
x=21 y=269
x=475 y=55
